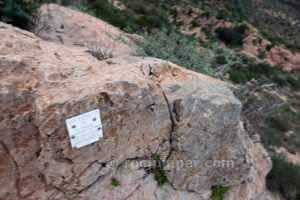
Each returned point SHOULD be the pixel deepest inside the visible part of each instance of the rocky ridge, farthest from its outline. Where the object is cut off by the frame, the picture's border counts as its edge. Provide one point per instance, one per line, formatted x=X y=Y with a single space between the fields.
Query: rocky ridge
x=148 y=106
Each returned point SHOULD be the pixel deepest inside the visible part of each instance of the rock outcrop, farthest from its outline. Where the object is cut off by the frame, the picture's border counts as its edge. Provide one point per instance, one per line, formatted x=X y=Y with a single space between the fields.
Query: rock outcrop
x=73 y=28
x=148 y=107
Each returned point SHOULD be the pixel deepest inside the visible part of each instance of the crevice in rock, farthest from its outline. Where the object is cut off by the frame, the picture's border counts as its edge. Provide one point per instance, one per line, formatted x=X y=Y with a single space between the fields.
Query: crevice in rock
x=176 y=109
x=93 y=183
x=146 y=70
x=172 y=127
x=53 y=196
x=133 y=192
x=151 y=107
x=170 y=112
x=107 y=99
x=84 y=170
x=64 y=160
x=60 y=39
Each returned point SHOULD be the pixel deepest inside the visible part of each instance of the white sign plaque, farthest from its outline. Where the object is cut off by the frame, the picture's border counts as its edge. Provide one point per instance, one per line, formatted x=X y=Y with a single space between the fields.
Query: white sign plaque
x=85 y=129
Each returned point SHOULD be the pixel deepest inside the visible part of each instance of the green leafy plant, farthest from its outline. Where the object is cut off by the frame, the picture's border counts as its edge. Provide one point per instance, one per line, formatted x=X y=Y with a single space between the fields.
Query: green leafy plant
x=115 y=182
x=158 y=171
x=219 y=192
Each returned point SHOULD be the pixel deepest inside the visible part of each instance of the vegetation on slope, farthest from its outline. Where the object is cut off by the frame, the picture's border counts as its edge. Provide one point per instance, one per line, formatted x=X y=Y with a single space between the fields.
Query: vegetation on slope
x=17 y=12
x=182 y=50
x=284 y=178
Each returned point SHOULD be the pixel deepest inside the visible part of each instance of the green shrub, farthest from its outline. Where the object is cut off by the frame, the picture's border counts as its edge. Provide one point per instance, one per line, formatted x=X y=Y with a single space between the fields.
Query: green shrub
x=139 y=15
x=279 y=124
x=232 y=36
x=239 y=9
x=83 y=8
x=222 y=14
x=237 y=76
x=182 y=50
x=293 y=81
x=269 y=47
x=115 y=182
x=284 y=178
x=264 y=72
x=277 y=41
x=219 y=192
x=274 y=133
x=158 y=171
x=17 y=12
x=108 y=12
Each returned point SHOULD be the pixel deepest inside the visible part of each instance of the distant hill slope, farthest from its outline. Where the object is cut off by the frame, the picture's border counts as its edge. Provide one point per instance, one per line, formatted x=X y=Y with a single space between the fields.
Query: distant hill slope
x=278 y=19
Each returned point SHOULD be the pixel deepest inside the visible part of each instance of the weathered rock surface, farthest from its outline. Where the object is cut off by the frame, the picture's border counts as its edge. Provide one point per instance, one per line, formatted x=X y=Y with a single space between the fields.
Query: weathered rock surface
x=73 y=28
x=147 y=106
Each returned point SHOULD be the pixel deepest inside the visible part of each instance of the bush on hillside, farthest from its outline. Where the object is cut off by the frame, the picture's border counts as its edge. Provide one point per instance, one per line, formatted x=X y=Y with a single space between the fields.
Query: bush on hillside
x=284 y=178
x=182 y=50
x=139 y=14
x=265 y=73
x=232 y=36
x=17 y=12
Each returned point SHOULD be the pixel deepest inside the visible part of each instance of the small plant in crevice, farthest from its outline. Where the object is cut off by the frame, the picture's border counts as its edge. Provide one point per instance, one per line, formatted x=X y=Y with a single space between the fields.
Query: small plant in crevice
x=97 y=50
x=115 y=182
x=219 y=192
x=158 y=171
x=122 y=168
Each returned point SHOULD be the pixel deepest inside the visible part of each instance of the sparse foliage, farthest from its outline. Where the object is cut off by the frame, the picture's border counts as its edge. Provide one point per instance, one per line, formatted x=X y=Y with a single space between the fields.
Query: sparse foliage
x=17 y=12
x=258 y=104
x=97 y=50
x=219 y=192
x=183 y=50
x=115 y=182
x=158 y=171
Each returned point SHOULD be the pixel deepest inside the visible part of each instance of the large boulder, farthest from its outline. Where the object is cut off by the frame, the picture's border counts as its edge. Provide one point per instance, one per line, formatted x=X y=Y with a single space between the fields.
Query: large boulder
x=148 y=107
x=73 y=28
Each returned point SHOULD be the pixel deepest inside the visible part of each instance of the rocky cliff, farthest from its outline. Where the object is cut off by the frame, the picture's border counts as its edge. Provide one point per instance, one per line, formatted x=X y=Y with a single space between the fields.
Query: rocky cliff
x=151 y=110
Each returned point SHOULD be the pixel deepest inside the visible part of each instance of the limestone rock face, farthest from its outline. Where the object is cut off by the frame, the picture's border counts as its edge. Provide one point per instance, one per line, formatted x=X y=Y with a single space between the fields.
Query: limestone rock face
x=148 y=106
x=73 y=28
